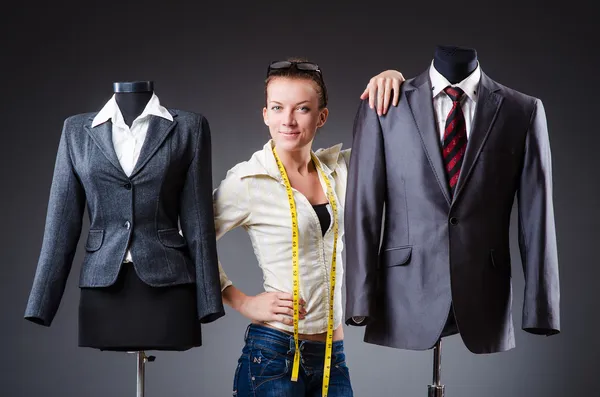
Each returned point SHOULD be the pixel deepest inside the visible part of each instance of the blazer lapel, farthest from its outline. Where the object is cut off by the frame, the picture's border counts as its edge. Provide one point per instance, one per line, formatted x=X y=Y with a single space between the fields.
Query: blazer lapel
x=102 y=136
x=486 y=111
x=158 y=130
x=420 y=102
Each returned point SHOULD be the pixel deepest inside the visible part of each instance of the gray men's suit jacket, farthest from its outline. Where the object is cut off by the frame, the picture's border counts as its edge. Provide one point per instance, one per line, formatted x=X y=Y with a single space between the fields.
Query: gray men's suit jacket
x=431 y=250
x=171 y=183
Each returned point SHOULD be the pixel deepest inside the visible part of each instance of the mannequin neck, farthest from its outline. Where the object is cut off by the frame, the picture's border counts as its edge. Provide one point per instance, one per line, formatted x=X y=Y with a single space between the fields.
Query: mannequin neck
x=132 y=104
x=455 y=63
x=132 y=98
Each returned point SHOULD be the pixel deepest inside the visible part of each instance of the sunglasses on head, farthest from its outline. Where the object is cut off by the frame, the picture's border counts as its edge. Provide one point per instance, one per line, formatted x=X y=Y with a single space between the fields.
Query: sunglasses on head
x=281 y=65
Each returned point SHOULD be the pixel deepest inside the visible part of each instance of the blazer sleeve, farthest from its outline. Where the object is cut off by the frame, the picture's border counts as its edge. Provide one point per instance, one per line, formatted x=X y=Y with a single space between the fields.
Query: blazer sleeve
x=197 y=224
x=232 y=209
x=537 y=236
x=365 y=196
x=66 y=206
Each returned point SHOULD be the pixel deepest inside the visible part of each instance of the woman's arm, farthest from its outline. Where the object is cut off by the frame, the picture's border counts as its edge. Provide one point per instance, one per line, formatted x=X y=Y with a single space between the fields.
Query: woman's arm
x=232 y=209
x=268 y=306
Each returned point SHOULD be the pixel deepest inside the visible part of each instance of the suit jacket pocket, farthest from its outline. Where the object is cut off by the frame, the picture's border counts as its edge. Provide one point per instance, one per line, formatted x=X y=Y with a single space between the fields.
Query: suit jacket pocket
x=171 y=238
x=94 y=240
x=399 y=256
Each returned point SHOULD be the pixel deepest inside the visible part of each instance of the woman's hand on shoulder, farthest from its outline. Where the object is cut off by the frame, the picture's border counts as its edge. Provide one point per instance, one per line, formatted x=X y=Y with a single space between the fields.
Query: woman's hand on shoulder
x=381 y=88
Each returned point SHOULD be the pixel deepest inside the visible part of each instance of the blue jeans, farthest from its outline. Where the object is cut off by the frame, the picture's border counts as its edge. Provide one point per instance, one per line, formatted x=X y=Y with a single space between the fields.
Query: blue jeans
x=265 y=367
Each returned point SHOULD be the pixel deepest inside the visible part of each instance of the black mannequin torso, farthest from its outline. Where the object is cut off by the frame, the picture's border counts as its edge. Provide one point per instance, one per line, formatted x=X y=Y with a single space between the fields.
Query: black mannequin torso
x=455 y=63
x=132 y=98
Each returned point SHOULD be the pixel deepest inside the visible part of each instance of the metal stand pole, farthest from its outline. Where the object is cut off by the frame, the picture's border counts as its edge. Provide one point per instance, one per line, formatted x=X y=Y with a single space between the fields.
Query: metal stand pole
x=436 y=389
x=142 y=359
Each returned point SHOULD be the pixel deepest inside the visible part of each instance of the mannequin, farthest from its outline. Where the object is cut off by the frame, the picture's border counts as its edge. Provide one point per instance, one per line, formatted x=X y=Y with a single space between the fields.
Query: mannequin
x=441 y=261
x=131 y=315
x=455 y=63
x=149 y=275
x=444 y=251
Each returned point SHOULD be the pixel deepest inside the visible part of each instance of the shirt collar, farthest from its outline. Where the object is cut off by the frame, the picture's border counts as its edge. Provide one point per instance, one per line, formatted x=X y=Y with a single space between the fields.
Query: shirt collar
x=263 y=162
x=111 y=111
x=468 y=85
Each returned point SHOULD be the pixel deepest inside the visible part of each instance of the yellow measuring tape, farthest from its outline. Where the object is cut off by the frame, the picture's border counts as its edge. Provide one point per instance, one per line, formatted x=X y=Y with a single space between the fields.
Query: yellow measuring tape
x=296 y=273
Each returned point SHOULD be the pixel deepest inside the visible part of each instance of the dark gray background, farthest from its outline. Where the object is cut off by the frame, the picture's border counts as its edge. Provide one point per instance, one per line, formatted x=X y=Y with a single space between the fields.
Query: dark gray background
x=59 y=60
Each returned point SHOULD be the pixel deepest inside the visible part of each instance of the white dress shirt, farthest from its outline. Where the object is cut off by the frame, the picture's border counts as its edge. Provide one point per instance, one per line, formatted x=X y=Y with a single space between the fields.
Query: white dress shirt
x=128 y=141
x=442 y=104
x=253 y=196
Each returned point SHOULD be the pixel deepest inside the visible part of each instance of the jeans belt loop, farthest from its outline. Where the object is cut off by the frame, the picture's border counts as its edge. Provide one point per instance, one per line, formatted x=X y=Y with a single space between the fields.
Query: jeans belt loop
x=247 y=332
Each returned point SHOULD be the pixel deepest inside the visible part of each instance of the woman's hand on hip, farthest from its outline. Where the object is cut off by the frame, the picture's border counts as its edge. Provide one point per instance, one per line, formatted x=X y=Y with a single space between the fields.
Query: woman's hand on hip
x=271 y=306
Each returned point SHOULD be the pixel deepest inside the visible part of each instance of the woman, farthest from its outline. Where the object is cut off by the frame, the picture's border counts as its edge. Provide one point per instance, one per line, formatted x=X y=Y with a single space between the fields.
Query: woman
x=283 y=182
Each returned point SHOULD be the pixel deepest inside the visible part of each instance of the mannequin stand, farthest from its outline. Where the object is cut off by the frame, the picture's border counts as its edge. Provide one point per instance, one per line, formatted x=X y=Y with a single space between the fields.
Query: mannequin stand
x=142 y=359
x=436 y=389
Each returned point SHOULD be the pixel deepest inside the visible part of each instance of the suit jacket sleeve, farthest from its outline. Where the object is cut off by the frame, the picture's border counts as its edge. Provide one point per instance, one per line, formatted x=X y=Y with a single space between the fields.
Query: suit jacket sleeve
x=537 y=237
x=363 y=214
x=61 y=234
x=197 y=224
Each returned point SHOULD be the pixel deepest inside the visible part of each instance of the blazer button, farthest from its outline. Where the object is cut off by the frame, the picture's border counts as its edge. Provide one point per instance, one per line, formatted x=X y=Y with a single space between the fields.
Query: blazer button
x=453 y=221
x=127 y=186
x=127 y=225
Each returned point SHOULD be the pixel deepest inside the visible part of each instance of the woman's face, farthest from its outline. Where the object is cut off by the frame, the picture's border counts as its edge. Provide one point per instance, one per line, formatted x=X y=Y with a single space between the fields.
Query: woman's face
x=293 y=113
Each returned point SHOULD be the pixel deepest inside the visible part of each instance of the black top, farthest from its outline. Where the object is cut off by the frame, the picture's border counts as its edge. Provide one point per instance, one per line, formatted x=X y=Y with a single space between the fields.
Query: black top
x=323 y=215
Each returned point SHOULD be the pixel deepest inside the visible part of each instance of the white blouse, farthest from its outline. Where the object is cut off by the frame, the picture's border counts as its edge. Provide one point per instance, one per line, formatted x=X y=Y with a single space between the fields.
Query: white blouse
x=253 y=196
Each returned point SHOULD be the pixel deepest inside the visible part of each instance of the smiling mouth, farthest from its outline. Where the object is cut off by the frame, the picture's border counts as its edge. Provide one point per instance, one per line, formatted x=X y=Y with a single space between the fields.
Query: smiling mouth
x=289 y=133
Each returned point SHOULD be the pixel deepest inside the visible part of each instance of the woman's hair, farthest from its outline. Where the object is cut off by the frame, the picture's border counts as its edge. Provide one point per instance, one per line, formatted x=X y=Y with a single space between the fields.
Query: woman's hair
x=295 y=73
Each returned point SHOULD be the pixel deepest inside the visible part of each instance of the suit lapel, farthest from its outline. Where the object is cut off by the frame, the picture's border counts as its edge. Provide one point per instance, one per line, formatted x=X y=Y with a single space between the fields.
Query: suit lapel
x=158 y=130
x=421 y=105
x=102 y=136
x=486 y=111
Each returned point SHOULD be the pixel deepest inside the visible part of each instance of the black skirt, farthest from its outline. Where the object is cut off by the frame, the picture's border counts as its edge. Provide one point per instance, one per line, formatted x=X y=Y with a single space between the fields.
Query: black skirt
x=130 y=315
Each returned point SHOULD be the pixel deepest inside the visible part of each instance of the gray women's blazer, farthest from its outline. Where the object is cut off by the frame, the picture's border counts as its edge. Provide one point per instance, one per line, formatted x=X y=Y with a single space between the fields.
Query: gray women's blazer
x=436 y=249
x=171 y=183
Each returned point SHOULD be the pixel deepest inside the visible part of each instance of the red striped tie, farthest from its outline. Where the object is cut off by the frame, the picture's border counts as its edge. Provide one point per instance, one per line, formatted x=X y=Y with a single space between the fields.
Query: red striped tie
x=455 y=137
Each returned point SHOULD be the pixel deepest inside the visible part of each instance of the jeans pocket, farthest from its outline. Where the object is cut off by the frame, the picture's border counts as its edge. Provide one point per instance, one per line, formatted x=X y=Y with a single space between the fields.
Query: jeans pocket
x=339 y=363
x=343 y=369
x=266 y=365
